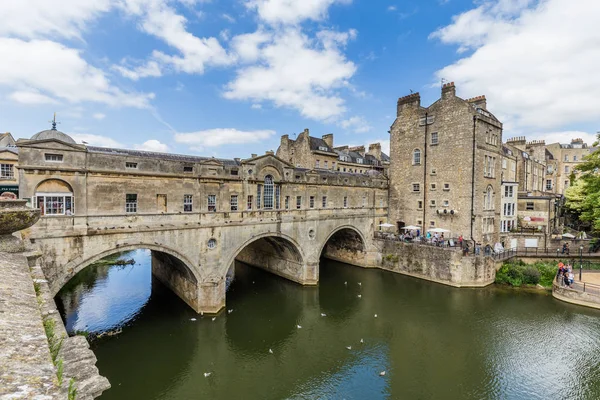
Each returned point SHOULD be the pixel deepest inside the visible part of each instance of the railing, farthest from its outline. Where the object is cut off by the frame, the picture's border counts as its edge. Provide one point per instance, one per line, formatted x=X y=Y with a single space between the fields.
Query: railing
x=584 y=287
x=447 y=244
x=552 y=252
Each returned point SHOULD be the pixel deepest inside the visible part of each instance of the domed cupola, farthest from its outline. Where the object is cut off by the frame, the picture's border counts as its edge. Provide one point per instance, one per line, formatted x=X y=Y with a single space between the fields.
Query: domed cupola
x=53 y=134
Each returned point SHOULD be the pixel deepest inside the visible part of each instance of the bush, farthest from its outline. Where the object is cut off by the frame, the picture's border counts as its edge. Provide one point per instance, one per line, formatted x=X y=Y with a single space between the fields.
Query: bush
x=517 y=273
x=531 y=275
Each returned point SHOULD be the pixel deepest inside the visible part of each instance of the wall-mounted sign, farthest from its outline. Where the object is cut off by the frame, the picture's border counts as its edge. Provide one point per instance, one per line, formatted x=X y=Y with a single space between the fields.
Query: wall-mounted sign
x=10 y=188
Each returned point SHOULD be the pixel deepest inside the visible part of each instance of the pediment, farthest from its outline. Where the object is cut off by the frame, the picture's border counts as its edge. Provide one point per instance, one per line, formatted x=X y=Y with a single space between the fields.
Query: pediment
x=51 y=144
x=212 y=162
x=8 y=155
x=268 y=159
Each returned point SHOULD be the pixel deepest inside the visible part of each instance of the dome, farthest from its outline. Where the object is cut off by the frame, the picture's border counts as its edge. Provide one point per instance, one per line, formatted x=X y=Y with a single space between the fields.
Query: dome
x=53 y=134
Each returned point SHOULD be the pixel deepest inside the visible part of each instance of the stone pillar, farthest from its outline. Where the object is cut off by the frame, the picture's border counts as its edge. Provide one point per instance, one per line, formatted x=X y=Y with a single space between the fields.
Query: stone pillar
x=211 y=295
x=311 y=274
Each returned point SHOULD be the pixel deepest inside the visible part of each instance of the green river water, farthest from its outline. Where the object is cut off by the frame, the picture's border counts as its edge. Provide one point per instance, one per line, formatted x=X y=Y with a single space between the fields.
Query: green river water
x=432 y=341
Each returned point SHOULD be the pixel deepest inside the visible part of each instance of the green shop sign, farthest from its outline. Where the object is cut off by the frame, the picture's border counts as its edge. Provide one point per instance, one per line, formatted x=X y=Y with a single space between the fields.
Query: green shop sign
x=10 y=188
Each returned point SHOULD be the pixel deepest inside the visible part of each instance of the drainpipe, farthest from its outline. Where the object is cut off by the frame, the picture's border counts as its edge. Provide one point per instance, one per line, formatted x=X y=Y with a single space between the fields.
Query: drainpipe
x=424 y=176
x=473 y=183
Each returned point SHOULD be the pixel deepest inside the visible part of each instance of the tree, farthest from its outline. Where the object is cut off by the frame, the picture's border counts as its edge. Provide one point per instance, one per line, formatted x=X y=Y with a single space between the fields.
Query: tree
x=584 y=196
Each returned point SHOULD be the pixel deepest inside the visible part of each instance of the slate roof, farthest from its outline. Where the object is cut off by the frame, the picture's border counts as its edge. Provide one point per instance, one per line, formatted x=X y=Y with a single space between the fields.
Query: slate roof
x=549 y=155
x=14 y=150
x=315 y=143
x=368 y=158
x=163 y=156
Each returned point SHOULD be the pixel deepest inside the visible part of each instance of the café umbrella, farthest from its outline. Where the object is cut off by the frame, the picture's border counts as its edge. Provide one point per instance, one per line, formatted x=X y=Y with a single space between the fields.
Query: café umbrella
x=439 y=230
x=411 y=228
x=386 y=225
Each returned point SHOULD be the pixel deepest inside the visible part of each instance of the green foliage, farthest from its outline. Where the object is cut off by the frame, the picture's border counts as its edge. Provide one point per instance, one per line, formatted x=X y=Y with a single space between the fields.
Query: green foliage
x=393 y=258
x=37 y=287
x=59 y=371
x=517 y=273
x=72 y=392
x=583 y=196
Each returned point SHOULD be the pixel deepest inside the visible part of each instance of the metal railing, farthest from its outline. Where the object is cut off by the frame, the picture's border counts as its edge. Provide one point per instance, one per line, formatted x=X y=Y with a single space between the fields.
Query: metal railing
x=585 y=287
x=447 y=243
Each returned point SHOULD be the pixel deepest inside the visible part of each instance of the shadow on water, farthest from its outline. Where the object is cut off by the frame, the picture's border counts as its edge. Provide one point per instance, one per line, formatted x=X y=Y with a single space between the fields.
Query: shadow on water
x=266 y=312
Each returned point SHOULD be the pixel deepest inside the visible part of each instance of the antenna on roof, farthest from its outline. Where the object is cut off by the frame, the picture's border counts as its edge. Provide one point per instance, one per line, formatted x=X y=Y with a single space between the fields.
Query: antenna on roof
x=54 y=123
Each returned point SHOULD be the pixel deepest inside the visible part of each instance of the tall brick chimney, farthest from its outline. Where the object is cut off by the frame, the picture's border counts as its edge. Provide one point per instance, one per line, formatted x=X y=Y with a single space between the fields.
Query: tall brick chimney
x=448 y=90
x=375 y=150
x=478 y=102
x=412 y=100
x=328 y=139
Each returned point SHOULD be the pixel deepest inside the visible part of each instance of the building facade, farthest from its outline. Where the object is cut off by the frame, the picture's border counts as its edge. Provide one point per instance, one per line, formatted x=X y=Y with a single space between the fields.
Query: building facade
x=319 y=153
x=568 y=156
x=9 y=159
x=445 y=166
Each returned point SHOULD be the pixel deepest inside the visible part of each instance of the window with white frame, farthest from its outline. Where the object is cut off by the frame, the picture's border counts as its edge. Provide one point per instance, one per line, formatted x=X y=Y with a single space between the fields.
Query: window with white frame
x=268 y=193
x=446 y=203
x=529 y=206
x=504 y=163
x=326 y=164
x=212 y=203
x=508 y=191
x=287 y=202
x=53 y=157
x=311 y=201
x=416 y=157
x=131 y=165
x=233 y=202
x=420 y=204
x=566 y=157
x=324 y=201
x=187 y=202
x=548 y=184
x=574 y=158
x=250 y=202
x=416 y=187
x=258 y=196
x=432 y=203
x=317 y=164
x=131 y=201
x=446 y=186
x=298 y=202
x=6 y=171
x=566 y=169
x=277 y=197
x=323 y=148
x=433 y=186
x=489 y=199
x=434 y=138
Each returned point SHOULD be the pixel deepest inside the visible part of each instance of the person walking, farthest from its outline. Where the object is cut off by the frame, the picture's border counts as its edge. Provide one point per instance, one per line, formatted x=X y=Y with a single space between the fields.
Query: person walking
x=460 y=241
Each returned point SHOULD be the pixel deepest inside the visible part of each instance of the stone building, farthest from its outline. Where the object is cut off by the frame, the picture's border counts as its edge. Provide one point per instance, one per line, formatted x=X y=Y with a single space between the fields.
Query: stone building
x=62 y=177
x=567 y=157
x=9 y=159
x=444 y=169
x=509 y=192
x=314 y=153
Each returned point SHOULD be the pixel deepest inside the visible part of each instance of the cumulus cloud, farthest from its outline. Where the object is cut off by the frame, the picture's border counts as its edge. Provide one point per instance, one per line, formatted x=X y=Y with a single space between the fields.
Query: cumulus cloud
x=293 y=71
x=63 y=75
x=32 y=96
x=95 y=140
x=536 y=62
x=221 y=136
x=152 y=145
x=99 y=116
x=291 y=11
x=356 y=124
x=150 y=68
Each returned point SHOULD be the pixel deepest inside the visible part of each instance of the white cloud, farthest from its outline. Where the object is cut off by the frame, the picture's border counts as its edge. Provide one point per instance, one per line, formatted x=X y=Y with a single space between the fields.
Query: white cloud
x=291 y=11
x=31 y=97
x=296 y=72
x=247 y=47
x=150 y=68
x=392 y=8
x=222 y=136
x=63 y=75
x=228 y=18
x=99 y=116
x=537 y=64
x=564 y=137
x=152 y=145
x=356 y=124
x=95 y=140
x=43 y=18
x=256 y=106
x=159 y=19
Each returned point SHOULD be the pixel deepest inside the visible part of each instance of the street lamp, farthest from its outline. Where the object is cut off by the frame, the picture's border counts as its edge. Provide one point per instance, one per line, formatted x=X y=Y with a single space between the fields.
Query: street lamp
x=580 y=261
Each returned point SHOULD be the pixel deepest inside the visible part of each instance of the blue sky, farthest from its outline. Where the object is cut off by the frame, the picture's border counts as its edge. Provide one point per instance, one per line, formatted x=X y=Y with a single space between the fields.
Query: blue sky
x=228 y=78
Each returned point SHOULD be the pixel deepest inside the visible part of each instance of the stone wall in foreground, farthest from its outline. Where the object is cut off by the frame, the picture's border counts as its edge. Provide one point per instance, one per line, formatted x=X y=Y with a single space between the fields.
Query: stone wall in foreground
x=446 y=266
x=575 y=296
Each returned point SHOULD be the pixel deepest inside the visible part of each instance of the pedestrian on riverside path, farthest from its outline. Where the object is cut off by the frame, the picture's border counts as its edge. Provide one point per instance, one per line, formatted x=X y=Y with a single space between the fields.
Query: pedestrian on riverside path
x=571 y=276
x=566 y=280
x=460 y=241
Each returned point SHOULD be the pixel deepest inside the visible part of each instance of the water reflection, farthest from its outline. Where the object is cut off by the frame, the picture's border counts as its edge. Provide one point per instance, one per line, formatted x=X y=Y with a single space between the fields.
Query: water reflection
x=433 y=341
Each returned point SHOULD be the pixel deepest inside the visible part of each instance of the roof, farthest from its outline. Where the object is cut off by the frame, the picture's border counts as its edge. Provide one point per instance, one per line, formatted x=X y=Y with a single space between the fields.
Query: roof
x=315 y=143
x=369 y=159
x=6 y=139
x=163 y=156
x=53 y=134
x=549 y=155
x=14 y=150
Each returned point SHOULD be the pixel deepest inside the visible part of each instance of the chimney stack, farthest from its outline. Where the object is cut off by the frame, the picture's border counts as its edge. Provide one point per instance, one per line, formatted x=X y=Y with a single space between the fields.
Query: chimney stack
x=328 y=139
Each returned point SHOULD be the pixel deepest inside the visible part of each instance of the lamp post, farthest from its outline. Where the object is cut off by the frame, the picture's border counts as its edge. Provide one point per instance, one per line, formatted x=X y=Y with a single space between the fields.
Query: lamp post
x=580 y=261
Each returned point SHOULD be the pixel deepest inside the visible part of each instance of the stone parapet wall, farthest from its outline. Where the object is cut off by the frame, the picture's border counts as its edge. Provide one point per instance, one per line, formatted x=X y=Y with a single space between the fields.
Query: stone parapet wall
x=442 y=265
x=575 y=296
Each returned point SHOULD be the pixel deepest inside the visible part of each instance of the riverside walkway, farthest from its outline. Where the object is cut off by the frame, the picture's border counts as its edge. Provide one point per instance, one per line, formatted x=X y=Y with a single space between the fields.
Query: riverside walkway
x=584 y=292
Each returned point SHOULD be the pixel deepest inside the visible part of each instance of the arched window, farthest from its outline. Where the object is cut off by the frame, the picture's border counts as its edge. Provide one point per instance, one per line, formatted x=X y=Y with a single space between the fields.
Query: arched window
x=268 y=192
x=54 y=197
x=489 y=199
x=416 y=157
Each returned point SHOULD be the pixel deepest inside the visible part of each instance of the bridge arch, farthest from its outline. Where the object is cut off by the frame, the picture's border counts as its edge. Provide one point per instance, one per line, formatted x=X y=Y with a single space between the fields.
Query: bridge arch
x=347 y=244
x=273 y=251
x=171 y=267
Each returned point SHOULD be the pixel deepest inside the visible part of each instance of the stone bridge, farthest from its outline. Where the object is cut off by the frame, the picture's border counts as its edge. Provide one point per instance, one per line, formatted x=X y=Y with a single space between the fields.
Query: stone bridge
x=193 y=253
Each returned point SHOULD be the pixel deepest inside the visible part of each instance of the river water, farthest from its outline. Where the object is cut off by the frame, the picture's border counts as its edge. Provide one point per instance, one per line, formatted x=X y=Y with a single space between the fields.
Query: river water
x=432 y=341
